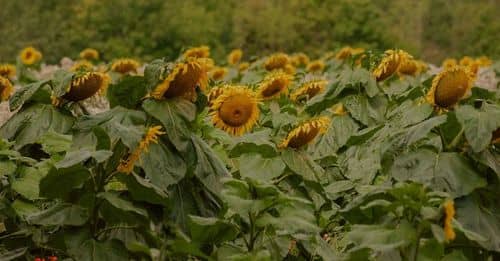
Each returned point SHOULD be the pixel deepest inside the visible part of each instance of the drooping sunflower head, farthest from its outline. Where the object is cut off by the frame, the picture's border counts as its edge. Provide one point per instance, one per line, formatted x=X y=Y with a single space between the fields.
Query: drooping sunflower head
x=316 y=66
x=484 y=61
x=7 y=70
x=305 y=133
x=290 y=69
x=84 y=86
x=449 y=87
x=180 y=80
x=308 y=90
x=300 y=59
x=89 y=54
x=274 y=84
x=125 y=66
x=30 y=55
x=344 y=53
x=408 y=67
x=466 y=61
x=243 y=66
x=234 y=56
x=218 y=73
x=197 y=52
x=82 y=66
x=6 y=89
x=276 y=61
x=449 y=213
x=235 y=110
x=389 y=64
x=449 y=63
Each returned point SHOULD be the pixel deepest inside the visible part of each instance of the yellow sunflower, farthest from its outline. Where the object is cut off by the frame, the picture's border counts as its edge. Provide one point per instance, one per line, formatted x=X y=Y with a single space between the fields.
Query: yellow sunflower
x=449 y=87
x=449 y=213
x=408 y=67
x=276 y=61
x=127 y=166
x=390 y=64
x=449 y=63
x=207 y=63
x=338 y=109
x=234 y=56
x=85 y=86
x=82 y=65
x=484 y=61
x=197 y=52
x=300 y=59
x=422 y=66
x=466 y=61
x=316 y=66
x=7 y=70
x=125 y=65
x=218 y=73
x=6 y=89
x=308 y=90
x=347 y=52
x=274 y=84
x=235 y=110
x=305 y=133
x=30 y=56
x=89 y=54
x=243 y=66
x=181 y=80
x=473 y=70
x=213 y=94
x=289 y=69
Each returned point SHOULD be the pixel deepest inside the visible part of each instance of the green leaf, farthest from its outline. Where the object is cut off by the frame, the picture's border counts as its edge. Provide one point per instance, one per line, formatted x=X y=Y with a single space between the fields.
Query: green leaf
x=53 y=142
x=209 y=168
x=75 y=157
x=416 y=166
x=363 y=163
x=430 y=250
x=121 y=204
x=211 y=230
x=163 y=166
x=174 y=114
x=58 y=183
x=61 y=214
x=25 y=94
x=421 y=130
x=366 y=111
x=61 y=81
x=257 y=142
x=455 y=255
x=340 y=130
x=92 y=250
x=301 y=164
x=141 y=189
x=13 y=254
x=381 y=238
x=24 y=208
x=27 y=184
x=254 y=166
x=27 y=126
x=128 y=92
x=479 y=124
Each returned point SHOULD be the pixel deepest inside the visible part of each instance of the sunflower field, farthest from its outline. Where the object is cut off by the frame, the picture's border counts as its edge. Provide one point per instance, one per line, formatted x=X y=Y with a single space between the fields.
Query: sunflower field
x=354 y=155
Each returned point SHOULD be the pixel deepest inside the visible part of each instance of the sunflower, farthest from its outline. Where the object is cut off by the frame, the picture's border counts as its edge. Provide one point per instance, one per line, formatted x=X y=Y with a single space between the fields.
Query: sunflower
x=449 y=63
x=315 y=66
x=449 y=213
x=408 y=67
x=243 y=66
x=276 y=61
x=449 y=87
x=207 y=63
x=347 y=52
x=338 y=109
x=484 y=61
x=495 y=139
x=308 y=90
x=82 y=65
x=30 y=56
x=390 y=64
x=422 y=66
x=197 y=52
x=89 y=54
x=466 y=61
x=7 y=70
x=218 y=73
x=85 y=86
x=125 y=65
x=236 y=110
x=213 y=94
x=289 y=69
x=181 y=80
x=473 y=69
x=6 y=89
x=305 y=132
x=300 y=59
x=151 y=136
x=274 y=84
x=234 y=56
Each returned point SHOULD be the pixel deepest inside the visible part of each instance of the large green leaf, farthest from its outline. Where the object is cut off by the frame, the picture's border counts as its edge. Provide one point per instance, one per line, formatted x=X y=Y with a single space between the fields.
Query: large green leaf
x=27 y=126
x=92 y=250
x=121 y=203
x=366 y=111
x=162 y=166
x=75 y=157
x=144 y=190
x=258 y=142
x=175 y=115
x=28 y=183
x=211 y=230
x=209 y=168
x=61 y=214
x=58 y=183
x=479 y=124
x=340 y=130
x=128 y=92
x=254 y=166
x=381 y=238
x=301 y=164
x=53 y=142
x=25 y=94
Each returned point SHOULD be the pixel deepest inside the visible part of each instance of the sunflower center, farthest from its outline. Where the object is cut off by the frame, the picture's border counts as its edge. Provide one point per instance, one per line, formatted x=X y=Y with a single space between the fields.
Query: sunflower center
x=28 y=55
x=303 y=137
x=451 y=88
x=236 y=110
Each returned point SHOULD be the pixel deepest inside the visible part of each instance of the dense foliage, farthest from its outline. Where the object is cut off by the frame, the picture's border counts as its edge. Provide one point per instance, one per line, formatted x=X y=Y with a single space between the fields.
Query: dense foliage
x=360 y=165
x=432 y=29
